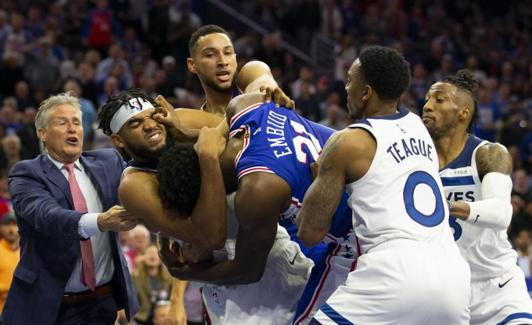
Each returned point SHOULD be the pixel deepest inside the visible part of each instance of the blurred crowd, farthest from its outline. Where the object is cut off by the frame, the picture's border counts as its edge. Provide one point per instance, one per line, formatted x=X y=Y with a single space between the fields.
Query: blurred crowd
x=96 y=48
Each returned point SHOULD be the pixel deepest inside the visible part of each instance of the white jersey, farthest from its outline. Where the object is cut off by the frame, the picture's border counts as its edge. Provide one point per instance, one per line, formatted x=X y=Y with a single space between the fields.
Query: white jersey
x=400 y=196
x=487 y=250
x=410 y=270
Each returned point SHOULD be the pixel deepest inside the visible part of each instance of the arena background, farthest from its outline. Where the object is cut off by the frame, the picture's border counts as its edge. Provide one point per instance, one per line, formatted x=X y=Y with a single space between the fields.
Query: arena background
x=98 y=48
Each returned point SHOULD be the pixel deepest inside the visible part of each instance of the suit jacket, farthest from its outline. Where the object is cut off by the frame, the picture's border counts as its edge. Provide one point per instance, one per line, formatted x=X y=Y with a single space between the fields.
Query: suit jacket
x=49 y=237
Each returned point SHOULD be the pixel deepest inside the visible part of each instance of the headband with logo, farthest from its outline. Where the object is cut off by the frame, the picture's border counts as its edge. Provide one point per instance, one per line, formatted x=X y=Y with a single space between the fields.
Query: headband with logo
x=134 y=107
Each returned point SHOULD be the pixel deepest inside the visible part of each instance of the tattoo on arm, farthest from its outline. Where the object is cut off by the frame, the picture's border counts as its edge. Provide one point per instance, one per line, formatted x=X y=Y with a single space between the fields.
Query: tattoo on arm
x=493 y=157
x=323 y=196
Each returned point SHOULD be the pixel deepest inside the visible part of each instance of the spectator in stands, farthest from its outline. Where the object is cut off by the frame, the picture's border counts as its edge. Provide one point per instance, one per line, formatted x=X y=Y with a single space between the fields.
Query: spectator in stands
x=100 y=27
x=12 y=152
x=161 y=311
x=88 y=112
x=335 y=118
x=152 y=282
x=10 y=252
x=114 y=62
x=139 y=241
x=522 y=246
x=28 y=134
x=8 y=119
x=22 y=94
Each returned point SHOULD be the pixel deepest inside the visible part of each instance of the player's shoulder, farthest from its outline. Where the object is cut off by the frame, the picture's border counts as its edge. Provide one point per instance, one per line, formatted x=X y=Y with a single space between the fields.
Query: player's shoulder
x=493 y=157
x=134 y=179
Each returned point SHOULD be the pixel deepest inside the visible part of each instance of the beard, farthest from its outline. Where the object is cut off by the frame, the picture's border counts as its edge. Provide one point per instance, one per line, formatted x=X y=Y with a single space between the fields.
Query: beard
x=354 y=113
x=148 y=155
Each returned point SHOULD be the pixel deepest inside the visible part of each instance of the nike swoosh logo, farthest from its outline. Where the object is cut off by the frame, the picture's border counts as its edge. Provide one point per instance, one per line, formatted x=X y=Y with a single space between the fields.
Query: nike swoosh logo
x=476 y=219
x=294 y=259
x=503 y=284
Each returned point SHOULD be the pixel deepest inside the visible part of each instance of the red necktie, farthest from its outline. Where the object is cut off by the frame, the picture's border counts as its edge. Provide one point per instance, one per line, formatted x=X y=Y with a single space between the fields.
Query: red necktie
x=88 y=276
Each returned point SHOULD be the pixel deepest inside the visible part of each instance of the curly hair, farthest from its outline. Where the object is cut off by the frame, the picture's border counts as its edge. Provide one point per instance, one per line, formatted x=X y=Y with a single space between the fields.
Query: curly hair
x=385 y=70
x=108 y=110
x=179 y=178
x=202 y=31
x=465 y=81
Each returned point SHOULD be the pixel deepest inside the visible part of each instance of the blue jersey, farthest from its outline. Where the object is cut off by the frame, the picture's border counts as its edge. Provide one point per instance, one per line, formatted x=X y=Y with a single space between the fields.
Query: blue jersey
x=279 y=141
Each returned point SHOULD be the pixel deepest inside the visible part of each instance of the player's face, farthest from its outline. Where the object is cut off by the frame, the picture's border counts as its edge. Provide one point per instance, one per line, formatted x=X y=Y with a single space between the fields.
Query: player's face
x=355 y=87
x=142 y=137
x=440 y=112
x=214 y=61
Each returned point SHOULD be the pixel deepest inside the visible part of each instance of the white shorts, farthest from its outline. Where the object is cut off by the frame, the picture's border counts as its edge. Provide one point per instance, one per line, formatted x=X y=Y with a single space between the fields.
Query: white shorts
x=273 y=299
x=403 y=282
x=501 y=300
x=327 y=275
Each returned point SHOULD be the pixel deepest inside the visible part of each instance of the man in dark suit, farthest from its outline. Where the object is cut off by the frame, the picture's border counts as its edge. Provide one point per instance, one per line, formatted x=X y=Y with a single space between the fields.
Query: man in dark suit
x=71 y=270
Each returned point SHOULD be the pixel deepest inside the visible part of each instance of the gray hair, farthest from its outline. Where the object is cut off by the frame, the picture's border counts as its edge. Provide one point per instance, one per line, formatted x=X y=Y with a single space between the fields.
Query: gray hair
x=41 y=119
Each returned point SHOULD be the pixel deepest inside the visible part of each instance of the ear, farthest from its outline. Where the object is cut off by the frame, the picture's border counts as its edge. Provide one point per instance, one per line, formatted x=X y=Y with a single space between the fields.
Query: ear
x=118 y=142
x=42 y=134
x=465 y=113
x=191 y=66
x=367 y=93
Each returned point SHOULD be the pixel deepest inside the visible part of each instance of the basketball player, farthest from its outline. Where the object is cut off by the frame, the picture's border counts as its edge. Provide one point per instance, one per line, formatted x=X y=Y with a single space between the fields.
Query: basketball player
x=267 y=161
x=213 y=60
x=129 y=118
x=476 y=179
x=409 y=271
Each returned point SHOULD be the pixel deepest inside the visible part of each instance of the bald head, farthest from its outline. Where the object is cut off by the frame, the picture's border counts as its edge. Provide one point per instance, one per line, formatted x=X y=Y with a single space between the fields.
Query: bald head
x=242 y=102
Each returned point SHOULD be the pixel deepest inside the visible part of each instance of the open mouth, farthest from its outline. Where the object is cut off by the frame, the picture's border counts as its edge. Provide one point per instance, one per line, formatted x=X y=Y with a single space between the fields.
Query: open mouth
x=72 y=141
x=154 y=136
x=223 y=76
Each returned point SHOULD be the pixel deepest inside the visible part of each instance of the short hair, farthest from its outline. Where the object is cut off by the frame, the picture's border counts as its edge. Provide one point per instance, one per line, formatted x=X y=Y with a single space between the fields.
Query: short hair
x=202 y=31
x=179 y=178
x=385 y=70
x=465 y=81
x=108 y=110
x=140 y=230
x=41 y=119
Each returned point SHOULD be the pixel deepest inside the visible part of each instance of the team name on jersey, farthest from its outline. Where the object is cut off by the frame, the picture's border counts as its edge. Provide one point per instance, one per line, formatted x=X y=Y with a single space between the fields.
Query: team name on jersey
x=461 y=196
x=276 y=124
x=409 y=147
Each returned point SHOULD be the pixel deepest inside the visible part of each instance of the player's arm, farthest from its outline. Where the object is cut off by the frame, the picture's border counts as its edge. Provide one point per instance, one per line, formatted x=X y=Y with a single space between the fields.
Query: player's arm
x=205 y=227
x=183 y=124
x=322 y=198
x=494 y=166
x=256 y=76
x=177 y=314
x=258 y=202
x=346 y=157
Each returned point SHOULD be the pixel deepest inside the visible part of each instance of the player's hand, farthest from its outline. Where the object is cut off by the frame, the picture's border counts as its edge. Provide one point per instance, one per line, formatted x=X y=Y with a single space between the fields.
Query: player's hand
x=165 y=113
x=170 y=252
x=278 y=96
x=116 y=219
x=211 y=141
